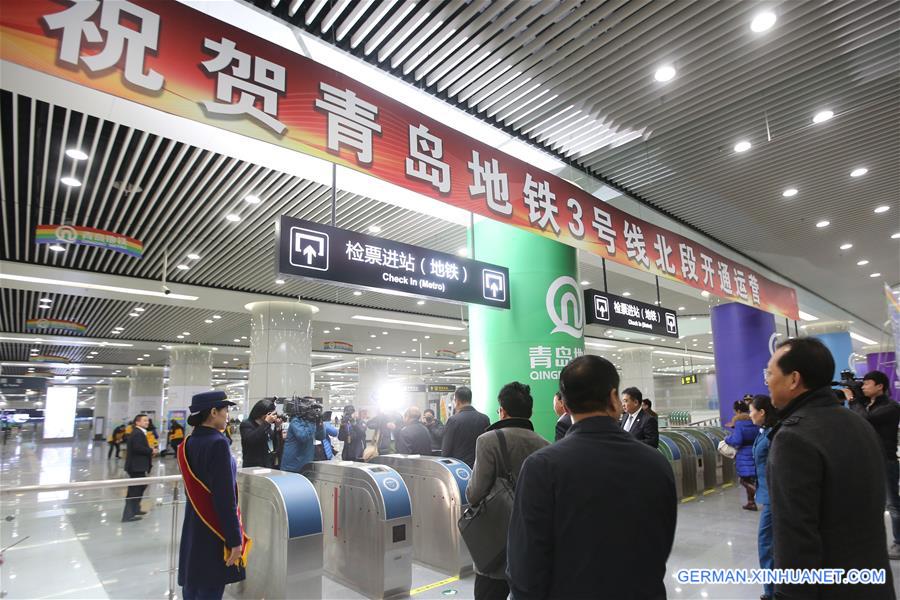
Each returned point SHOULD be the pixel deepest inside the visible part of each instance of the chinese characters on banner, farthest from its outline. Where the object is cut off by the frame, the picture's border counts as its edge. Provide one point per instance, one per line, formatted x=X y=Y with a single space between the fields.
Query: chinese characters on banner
x=174 y=58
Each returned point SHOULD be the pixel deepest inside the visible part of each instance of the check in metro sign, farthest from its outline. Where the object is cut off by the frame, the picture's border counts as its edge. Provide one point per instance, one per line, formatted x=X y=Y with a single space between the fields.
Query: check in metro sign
x=617 y=312
x=317 y=251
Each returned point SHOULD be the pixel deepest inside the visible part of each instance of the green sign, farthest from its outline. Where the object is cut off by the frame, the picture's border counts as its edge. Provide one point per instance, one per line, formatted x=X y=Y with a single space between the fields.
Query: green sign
x=542 y=331
x=688 y=379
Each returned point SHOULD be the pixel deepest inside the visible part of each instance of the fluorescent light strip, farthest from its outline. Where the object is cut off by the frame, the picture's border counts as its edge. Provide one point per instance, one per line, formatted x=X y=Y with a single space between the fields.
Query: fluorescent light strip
x=437 y=362
x=862 y=339
x=64 y=342
x=599 y=345
x=51 y=365
x=95 y=286
x=683 y=355
x=805 y=316
x=333 y=366
x=400 y=322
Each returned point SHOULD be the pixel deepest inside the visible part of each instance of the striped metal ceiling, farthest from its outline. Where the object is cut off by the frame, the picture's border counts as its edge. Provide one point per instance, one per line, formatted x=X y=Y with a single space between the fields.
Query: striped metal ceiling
x=577 y=79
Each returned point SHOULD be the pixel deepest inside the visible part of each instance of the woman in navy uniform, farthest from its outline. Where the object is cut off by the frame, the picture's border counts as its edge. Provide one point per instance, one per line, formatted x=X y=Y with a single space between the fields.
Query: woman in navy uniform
x=213 y=544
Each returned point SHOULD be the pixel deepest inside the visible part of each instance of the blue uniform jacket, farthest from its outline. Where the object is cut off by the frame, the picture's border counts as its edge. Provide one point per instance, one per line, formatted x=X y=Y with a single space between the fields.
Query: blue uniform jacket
x=201 y=561
x=742 y=438
x=760 y=458
x=324 y=433
x=298 y=446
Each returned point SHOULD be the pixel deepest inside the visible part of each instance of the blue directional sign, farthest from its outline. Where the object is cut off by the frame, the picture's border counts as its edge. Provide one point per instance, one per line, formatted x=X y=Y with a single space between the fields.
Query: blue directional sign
x=316 y=251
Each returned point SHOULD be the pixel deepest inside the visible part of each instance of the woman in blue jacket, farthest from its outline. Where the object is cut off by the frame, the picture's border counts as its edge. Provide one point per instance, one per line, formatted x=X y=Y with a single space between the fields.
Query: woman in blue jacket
x=298 y=445
x=762 y=413
x=324 y=432
x=742 y=437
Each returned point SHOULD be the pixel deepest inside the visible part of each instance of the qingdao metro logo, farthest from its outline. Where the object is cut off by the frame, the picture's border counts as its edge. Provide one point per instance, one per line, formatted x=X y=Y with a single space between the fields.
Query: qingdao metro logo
x=564 y=307
x=309 y=249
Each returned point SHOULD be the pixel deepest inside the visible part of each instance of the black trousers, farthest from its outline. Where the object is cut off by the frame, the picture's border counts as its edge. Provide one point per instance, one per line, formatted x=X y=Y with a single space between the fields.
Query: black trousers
x=113 y=445
x=133 y=497
x=487 y=588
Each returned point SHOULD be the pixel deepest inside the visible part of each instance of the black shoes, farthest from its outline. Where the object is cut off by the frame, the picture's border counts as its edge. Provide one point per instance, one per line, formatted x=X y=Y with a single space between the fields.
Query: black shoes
x=130 y=519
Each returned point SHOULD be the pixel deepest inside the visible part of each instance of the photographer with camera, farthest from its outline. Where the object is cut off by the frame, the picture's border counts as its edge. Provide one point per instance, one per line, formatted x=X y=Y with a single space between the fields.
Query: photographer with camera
x=873 y=403
x=435 y=430
x=299 y=445
x=261 y=435
x=353 y=433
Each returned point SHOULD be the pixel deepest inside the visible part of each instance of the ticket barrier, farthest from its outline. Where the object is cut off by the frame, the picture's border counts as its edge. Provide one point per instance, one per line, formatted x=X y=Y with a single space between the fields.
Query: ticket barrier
x=670 y=450
x=691 y=463
x=437 y=487
x=729 y=472
x=706 y=449
x=366 y=512
x=282 y=516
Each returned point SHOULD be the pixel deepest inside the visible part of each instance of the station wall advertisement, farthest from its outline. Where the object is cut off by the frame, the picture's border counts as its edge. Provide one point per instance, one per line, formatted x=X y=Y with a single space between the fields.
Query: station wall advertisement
x=171 y=57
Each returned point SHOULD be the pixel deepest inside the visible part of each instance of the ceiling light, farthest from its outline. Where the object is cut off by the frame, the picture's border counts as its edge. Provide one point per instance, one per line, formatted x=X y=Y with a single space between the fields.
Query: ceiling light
x=463 y=252
x=401 y=322
x=237 y=340
x=763 y=21
x=705 y=294
x=846 y=246
x=140 y=358
x=43 y=306
x=115 y=332
x=217 y=316
x=70 y=181
x=371 y=335
x=208 y=321
x=823 y=223
x=139 y=309
x=665 y=73
x=873 y=275
x=860 y=338
x=895 y=236
x=789 y=192
x=680 y=308
x=357 y=293
x=182 y=267
x=57 y=248
x=862 y=263
x=858 y=172
x=882 y=209
x=185 y=333
x=742 y=146
x=337 y=328
x=233 y=217
x=279 y=281
x=134 y=314
x=193 y=256
x=626 y=294
x=326 y=331
x=374 y=229
x=94 y=286
x=805 y=316
x=822 y=116
x=420 y=302
x=76 y=154
x=45 y=300
x=180 y=337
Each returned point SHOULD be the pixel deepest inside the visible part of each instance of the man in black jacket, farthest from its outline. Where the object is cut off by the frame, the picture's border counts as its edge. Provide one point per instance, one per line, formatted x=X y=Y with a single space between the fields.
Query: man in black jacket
x=826 y=478
x=564 y=420
x=883 y=414
x=463 y=428
x=435 y=430
x=638 y=422
x=566 y=535
x=414 y=437
x=138 y=461
x=353 y=433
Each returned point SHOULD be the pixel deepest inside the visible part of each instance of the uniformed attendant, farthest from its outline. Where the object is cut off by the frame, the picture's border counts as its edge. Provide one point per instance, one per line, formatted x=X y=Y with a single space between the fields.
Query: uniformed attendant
x=214 y=546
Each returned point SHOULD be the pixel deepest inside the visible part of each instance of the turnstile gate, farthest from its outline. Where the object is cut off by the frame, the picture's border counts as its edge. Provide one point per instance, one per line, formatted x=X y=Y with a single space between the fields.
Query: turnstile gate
x=366 y=512
x=691 y=464
x=706 y=450
x=670 y=450
x=281 y=513
x=437 y=487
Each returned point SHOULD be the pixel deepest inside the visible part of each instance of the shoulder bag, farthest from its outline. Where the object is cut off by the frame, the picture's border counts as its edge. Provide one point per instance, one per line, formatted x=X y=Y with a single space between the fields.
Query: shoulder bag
x=483 y=527
x=726 y=450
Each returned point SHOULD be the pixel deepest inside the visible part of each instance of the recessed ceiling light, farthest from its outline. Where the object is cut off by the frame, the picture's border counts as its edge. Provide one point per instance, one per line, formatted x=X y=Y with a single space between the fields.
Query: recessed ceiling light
x=895 y=236
x=789 y=192
x=233 y=217
x=76 y=154
x=680 y=308
x=357 y=293
x=705 y=294
x=193 y=256
x=665 y=73
x=46 y=300
x=463 y=252
x=427 y=337
x=823 y=223
x=420 y=302
x=858 y=172
x=57 y=248
x=862 y=263
x=185 y=333
x=374 y=229
x=251 y=199
x=182 y=267
x=237 y=340
x=822 y=116
x=337 y=328
x=180 y=337
x=626 y=294
x=70 y=181
x=43 y=306
x=134 y=314
x=742 y=146
x=140 y=358
x=585 y=282
x=208 y=321
x=875 y=275
x=139 y=309
x=115 y=332
x=371 y=335
x=882 y=209
x=763 y=21
x=846 y=246
x=326 y=331
x=279 y=281
x=217 y=316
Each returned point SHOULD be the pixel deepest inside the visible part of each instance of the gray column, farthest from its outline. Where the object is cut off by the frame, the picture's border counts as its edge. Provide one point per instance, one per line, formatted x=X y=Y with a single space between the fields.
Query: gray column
x=119 y=388
x=101 y=410
x=190 y=373
x=637 y=370
x=146 y=392
x=280 y=346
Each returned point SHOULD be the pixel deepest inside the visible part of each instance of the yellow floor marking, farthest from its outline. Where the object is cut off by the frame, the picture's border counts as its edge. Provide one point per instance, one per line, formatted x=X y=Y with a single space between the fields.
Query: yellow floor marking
x=431 y=586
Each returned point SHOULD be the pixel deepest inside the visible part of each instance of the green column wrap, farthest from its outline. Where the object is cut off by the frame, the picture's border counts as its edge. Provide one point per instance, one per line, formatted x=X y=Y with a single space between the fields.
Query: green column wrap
x=541 y=332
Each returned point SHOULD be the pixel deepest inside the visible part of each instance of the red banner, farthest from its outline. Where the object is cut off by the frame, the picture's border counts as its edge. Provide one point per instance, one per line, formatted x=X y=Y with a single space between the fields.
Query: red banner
x=171 y=57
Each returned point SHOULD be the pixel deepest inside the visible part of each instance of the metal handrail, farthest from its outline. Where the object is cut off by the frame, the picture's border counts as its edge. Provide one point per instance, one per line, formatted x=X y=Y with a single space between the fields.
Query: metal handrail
x=89 y=485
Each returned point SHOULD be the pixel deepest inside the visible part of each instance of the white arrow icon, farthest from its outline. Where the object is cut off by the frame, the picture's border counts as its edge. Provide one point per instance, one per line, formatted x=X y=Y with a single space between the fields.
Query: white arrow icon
x=309 y=249
x=310 y=253
x=494 y=289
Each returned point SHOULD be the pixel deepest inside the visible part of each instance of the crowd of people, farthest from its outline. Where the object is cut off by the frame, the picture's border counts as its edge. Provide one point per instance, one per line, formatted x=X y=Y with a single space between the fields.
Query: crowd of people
x=819 y=469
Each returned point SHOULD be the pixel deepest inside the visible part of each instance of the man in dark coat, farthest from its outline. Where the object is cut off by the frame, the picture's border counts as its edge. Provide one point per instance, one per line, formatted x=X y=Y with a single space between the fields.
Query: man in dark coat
x=826 y=478
x=463 y=428
x=414 y=437
x=435 y=430
x=638 y=422
x=138 y=461
x=352 y=432
x=567 y=538
x=564 y=420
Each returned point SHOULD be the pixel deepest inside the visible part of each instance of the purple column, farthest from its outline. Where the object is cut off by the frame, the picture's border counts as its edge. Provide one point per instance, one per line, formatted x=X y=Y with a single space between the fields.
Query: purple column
x=743 y=337
x=886 y=362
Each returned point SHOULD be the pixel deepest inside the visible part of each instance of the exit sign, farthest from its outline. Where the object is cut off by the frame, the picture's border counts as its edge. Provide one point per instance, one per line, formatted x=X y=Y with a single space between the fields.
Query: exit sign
x=688 y=379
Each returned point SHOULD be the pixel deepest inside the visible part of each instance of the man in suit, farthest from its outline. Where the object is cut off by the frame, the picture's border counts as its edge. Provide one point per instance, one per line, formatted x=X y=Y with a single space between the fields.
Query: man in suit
x=463 y=428
x=137 y=464
x=566 y=535
x=637 y=421
x=414 y=437
x=564 y=419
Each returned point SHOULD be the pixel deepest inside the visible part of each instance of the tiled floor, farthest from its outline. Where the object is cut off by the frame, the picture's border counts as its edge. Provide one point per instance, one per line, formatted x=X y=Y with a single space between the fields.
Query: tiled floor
x=75 y=546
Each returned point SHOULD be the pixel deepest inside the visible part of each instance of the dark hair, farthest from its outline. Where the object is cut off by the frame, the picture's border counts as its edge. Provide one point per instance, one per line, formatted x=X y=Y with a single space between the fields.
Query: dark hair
x=880 y=379
x=809 y=357
x=262 y=408
x=429 y=410
x=516 y=400
x=199 y=418
x=764 y=403
x=647 y=402
x=463 y=395
x=586 y=383
x=741 y=406
x=634 y=394
x=138 y=416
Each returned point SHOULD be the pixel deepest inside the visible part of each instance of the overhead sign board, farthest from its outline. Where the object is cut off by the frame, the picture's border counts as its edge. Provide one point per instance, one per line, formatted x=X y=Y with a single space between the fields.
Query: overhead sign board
x=688 y=379
x=441 y=388
x=316 y=251
x=617 y=312
x=11 y=384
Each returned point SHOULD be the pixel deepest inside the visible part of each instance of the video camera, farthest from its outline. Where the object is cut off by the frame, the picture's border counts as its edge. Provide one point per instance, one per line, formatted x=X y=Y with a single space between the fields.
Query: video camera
x=848 y=381
x=304 y=408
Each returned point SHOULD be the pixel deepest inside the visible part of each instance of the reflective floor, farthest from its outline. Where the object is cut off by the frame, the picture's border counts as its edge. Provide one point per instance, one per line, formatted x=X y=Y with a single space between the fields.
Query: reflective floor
x=74 y=545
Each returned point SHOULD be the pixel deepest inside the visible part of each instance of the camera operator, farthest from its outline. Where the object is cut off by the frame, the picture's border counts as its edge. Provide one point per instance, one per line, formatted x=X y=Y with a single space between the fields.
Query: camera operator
x=261 y=435
x=435 y=430
x=883 y=414
x=353 y=433
x=299 y=445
